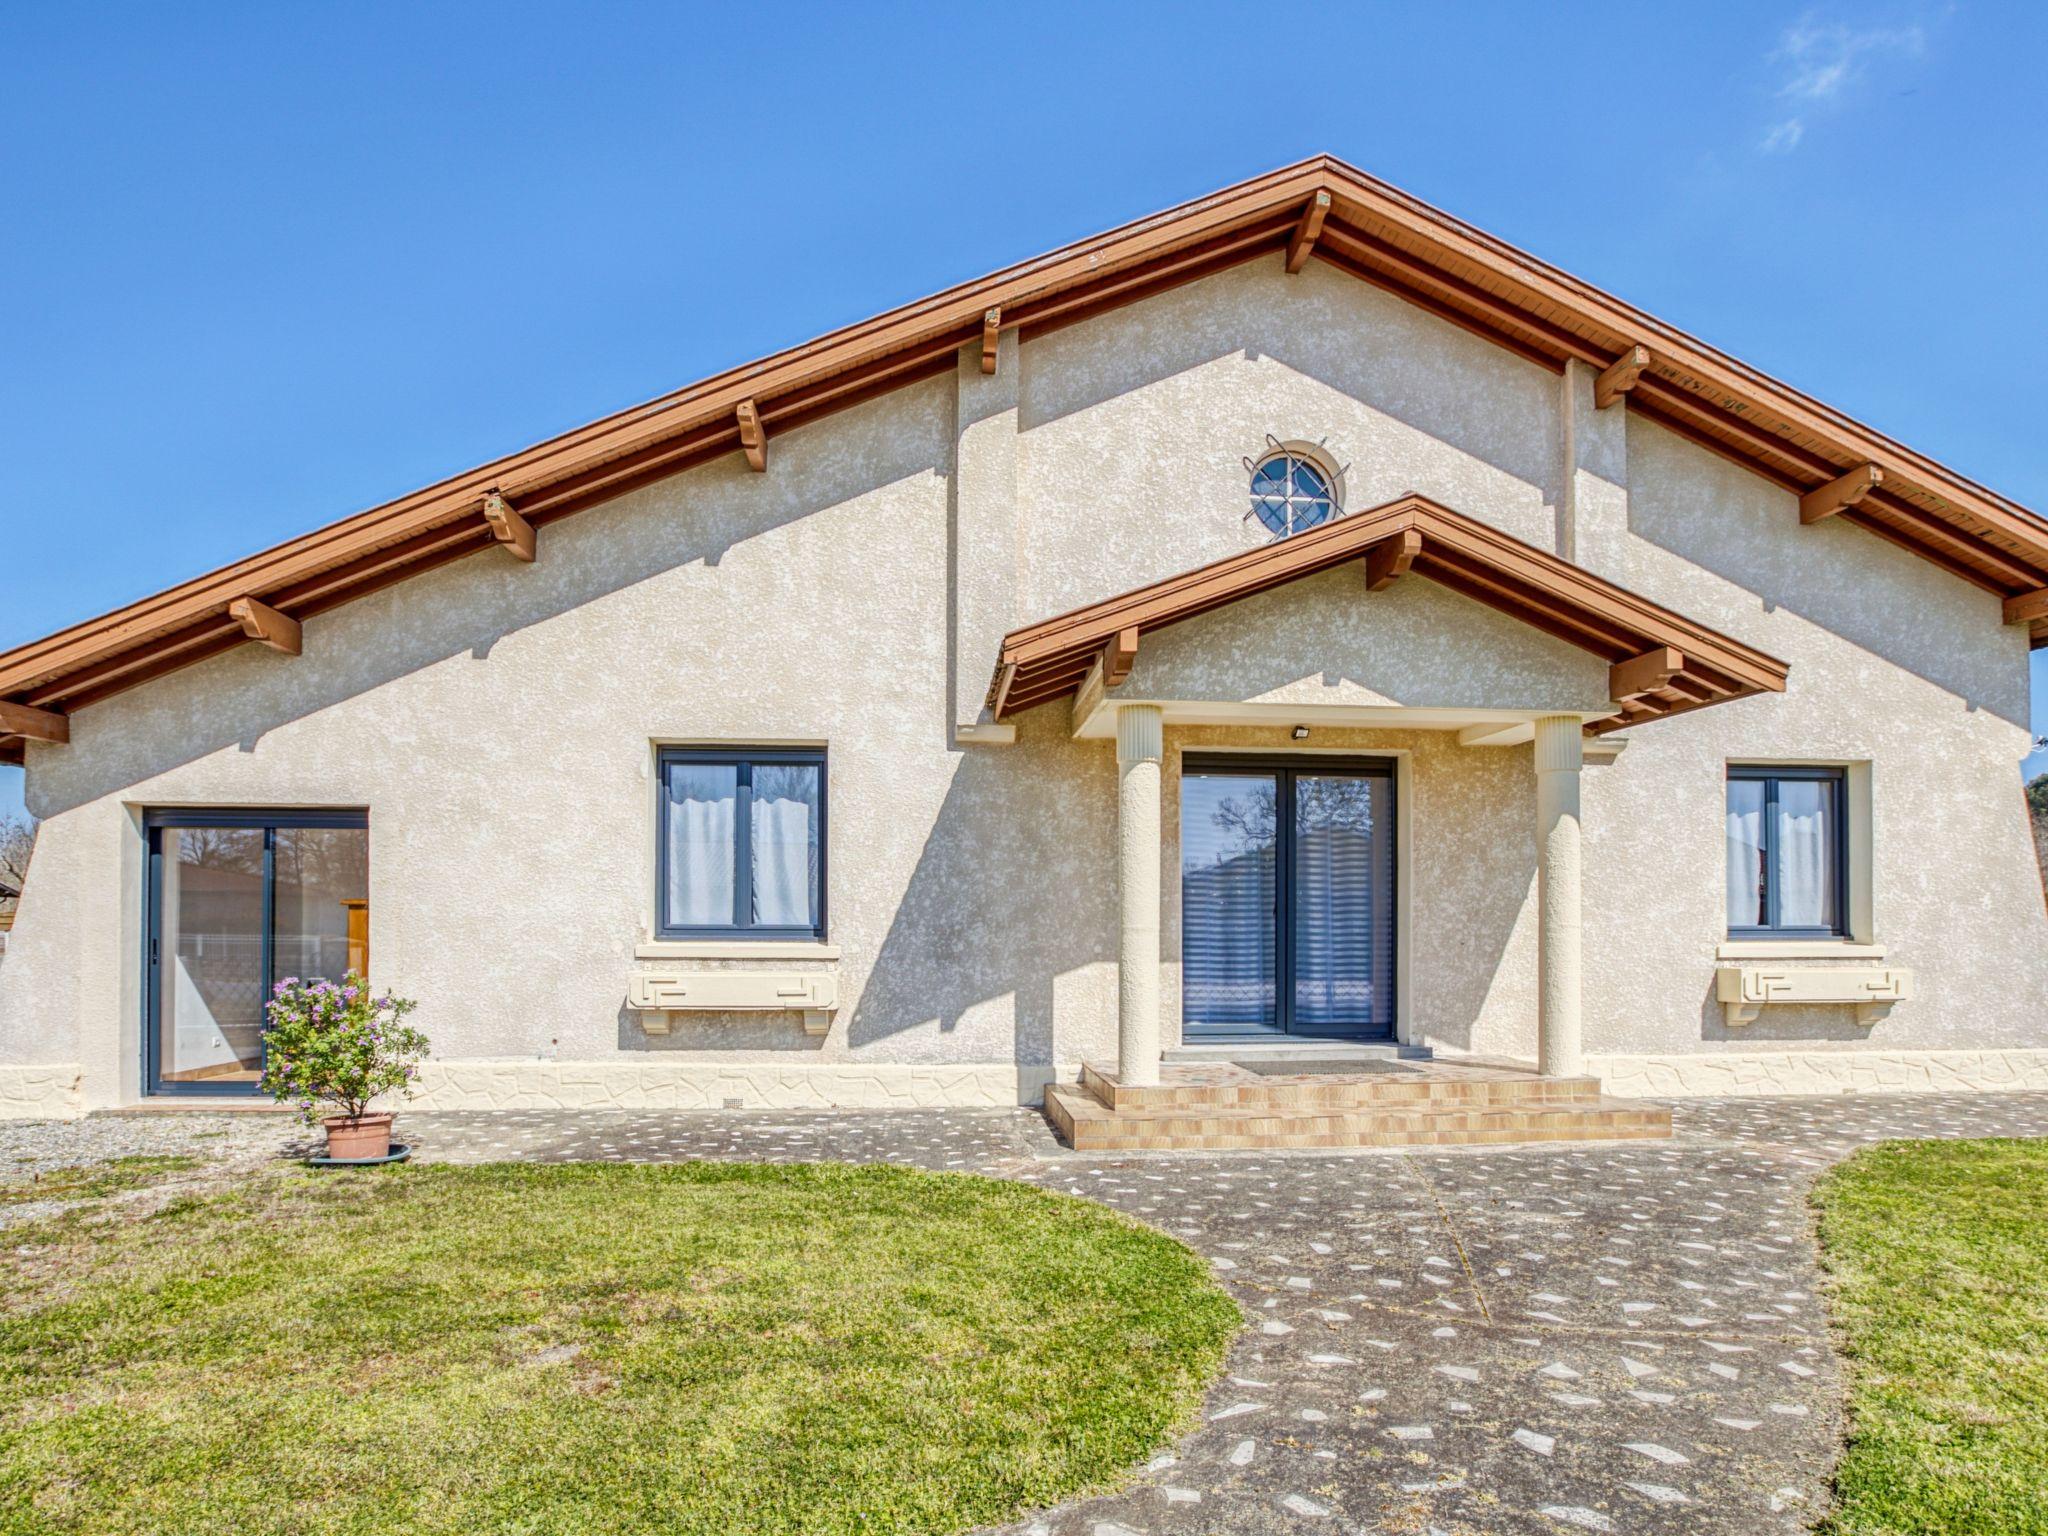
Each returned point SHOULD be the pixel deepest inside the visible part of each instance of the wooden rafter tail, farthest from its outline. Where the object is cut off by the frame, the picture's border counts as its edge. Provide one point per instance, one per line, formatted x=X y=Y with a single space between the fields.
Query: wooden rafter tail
x=753 y=436
x=1619 y=376
x=34 y=724
x=1840 y=493
x=1388 y=561
x=2027 y=608
x=264 y=623
x=991 y=338
x=1119 y=655
x=1302 y=243
x=511 y=530
x=1630 y=681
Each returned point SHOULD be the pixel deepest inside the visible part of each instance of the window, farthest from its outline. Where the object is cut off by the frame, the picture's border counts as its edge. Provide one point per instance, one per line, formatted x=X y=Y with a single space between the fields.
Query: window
x=1291 y=492
x=742 y=843
x=238 y=900
x=1787 y=852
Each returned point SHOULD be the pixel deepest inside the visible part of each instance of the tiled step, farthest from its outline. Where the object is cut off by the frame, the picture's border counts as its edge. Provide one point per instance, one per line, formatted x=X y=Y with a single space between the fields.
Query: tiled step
x=1226 y=1085
x=1089 y=1125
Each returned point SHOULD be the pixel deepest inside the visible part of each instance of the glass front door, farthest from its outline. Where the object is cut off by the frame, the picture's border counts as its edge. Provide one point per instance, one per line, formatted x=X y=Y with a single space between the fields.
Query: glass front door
x=1287 y=898
x=239 y=900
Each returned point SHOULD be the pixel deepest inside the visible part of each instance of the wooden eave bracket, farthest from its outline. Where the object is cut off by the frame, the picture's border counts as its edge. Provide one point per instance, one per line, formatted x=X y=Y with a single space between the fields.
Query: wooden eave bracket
x=1303 y=241
x=1119 y=655
x=753 y=436
x=1831 y=498
x=1630 y=680
x=991 y=338
x=2027 y=607
x=1388 y=561
x=264 y=623
x=34 y=724
x=1619 y=377
x=509 y=528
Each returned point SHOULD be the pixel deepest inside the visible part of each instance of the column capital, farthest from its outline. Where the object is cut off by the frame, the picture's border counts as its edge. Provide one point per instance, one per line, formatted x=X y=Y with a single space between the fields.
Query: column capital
x=1560 y=744
x=1140 y=733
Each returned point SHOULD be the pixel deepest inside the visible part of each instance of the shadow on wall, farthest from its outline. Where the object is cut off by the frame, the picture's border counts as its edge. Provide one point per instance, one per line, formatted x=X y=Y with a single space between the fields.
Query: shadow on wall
x=1394 y=359
x=1896 y=606
x=1012 y=901
x=475 y=602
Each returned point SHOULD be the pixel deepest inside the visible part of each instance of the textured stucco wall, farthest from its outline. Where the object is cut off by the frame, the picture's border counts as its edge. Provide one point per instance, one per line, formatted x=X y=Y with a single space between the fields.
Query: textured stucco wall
x=498 y=719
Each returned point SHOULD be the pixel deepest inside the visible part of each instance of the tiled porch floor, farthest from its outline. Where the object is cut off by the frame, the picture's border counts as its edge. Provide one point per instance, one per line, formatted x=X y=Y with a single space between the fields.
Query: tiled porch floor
x=1611 y=1338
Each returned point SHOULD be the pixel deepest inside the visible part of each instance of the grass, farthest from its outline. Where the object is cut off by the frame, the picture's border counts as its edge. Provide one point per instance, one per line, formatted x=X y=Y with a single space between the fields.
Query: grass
x=94 y=1181
x=1939 y=1257
x=591 y=1348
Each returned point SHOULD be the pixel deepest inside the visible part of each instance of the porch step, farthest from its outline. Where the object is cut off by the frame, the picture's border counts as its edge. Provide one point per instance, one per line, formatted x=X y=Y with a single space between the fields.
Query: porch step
x=1089 y=1125
x=1278 y=1088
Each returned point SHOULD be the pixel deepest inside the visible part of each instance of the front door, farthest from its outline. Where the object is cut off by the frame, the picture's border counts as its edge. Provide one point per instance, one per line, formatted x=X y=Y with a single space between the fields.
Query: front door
x=1287 y=897
x=239 y=900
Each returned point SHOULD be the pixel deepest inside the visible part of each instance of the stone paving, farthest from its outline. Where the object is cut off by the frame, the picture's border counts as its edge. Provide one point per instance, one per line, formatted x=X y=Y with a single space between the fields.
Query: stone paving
x=1606 y=1337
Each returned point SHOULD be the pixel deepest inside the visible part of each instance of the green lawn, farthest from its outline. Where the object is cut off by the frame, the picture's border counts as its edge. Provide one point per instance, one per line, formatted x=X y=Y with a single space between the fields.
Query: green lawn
x=1939 y=1254
x=591 y=1348
x=94 y=1181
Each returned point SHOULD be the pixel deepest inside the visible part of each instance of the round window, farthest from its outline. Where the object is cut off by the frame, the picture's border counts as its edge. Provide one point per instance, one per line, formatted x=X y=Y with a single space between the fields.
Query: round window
x=1290 y=493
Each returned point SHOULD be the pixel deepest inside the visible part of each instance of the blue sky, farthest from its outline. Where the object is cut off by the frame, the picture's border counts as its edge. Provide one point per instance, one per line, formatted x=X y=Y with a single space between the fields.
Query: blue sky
x=272 y=264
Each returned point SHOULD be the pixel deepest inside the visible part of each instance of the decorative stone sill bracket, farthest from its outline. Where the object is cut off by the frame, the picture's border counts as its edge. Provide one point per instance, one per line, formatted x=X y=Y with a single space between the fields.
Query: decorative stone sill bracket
x=658 y=995
x=1745 y=990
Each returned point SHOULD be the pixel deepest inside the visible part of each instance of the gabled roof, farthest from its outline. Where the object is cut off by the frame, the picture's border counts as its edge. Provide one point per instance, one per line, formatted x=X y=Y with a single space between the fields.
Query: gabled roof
x=1321 y=209
x=1661 y=663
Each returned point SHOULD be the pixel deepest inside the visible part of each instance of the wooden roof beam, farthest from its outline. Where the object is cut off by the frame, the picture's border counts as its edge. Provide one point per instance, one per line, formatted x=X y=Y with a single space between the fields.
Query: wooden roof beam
x=991 y=338
x=753 y=436
x=511 y=530
x=1119 y=655
x=1648 y=673
x=262 y=622
x=1387 y=562
x=1302 y=243
x=1837 y=494
x=34 y=724
x=2027 y=607
x=1619 y=377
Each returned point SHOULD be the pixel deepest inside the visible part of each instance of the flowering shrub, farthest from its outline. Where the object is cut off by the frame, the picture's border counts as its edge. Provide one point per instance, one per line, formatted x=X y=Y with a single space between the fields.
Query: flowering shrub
x=333 y=1043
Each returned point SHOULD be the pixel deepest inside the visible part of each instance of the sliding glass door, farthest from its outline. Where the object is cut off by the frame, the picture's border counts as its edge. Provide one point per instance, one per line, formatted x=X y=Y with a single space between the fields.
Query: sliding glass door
x=1287 y=897
x=239 y=900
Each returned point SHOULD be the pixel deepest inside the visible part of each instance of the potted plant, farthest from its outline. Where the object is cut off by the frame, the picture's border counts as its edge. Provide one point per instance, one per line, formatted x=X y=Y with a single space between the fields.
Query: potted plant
x=333 y=1048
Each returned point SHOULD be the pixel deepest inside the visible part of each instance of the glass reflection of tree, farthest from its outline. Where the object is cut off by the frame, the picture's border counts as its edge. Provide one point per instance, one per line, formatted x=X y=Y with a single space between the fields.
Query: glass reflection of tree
x=1321 y=803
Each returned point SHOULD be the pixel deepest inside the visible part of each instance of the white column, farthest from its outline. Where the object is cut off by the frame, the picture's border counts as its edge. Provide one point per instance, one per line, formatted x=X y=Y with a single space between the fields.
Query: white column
x=1559 y=753
x=1140 y=738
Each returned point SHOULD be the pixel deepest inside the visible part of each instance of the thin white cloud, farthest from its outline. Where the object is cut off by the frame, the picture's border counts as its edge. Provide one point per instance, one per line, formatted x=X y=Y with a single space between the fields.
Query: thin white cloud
x=1819 y=61
x=1784 y=137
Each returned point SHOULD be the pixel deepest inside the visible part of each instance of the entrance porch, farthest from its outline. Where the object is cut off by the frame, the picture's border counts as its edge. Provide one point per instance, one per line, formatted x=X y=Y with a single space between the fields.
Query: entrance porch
x=1299 y=864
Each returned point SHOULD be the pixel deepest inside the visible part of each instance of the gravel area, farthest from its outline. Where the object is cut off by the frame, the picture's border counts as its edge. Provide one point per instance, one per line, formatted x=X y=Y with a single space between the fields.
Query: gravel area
x=220 y=1146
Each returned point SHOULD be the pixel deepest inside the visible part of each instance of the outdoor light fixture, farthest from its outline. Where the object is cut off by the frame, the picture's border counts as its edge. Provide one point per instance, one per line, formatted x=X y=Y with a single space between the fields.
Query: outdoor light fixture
x=1301 y=733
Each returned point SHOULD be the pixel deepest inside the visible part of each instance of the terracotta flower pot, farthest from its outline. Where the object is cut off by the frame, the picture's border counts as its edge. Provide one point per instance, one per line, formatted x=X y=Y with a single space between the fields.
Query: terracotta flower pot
x=363 y=1137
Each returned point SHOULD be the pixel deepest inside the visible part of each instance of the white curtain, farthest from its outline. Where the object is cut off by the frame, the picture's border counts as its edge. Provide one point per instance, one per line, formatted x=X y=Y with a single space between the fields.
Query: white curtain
x=1745 y=844
x=783 y=842
x=700 y=861
x=1805 y=859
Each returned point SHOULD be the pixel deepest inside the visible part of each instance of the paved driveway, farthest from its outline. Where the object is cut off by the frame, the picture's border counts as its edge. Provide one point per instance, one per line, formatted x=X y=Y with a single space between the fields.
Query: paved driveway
x=1620 y=1338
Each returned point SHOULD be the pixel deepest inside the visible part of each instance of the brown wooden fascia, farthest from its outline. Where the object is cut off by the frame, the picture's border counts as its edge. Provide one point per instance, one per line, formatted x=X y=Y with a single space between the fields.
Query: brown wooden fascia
x=1388 y=561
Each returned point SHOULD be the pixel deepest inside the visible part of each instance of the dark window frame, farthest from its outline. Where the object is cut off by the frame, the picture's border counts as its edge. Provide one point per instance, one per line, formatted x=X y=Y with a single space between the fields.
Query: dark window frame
x=744 y=760
x=1771 y=776
x=154 y=824
x=1287 y=767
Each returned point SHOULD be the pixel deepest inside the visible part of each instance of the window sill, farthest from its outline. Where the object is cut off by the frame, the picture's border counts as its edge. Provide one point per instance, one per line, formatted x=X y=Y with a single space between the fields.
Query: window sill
x=734 y=949
x=1797 y=949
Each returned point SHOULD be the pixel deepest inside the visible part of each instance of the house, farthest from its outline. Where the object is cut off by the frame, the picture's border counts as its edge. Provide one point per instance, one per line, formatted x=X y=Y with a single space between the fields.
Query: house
x=1298 y=615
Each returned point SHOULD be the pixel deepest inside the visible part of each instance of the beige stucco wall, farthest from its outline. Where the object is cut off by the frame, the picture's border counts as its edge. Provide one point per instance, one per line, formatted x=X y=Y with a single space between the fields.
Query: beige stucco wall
x=499 y=720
